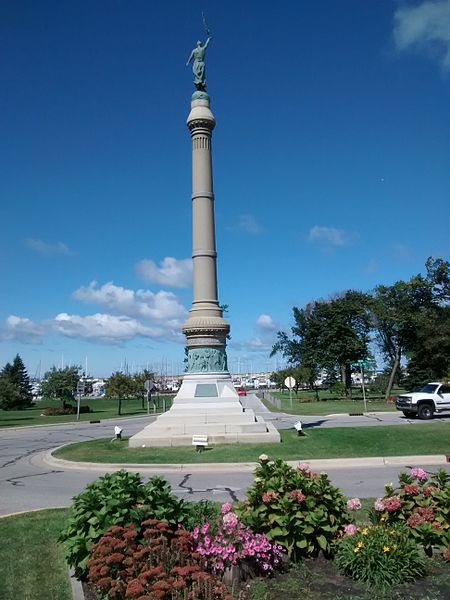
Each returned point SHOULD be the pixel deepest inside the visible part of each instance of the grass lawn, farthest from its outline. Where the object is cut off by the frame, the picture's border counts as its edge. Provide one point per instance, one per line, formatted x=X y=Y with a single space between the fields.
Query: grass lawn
x=307 y=404
x=101 y=409
x=339 y=442
x=31 y=561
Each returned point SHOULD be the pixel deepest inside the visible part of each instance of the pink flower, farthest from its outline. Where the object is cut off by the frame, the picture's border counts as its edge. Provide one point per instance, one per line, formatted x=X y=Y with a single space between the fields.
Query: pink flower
x=354 y=504
x=304 y=467
x=297 y=496
x=226 y=508
x=205 y=528
x=230 y=519
x=269 y=497
x=411 y=489
x=429 y=490
x=350 y=529
x=418 y=473
x=379 y=505
x=392 y=503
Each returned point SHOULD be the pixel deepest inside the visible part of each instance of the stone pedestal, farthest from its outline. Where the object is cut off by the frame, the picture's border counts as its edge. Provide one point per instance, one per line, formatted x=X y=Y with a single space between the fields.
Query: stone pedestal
x=207 y=403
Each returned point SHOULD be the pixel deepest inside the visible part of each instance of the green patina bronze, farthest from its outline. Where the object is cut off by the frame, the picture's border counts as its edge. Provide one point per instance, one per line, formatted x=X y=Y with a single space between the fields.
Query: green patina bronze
x=197 y=57
x=207 y=360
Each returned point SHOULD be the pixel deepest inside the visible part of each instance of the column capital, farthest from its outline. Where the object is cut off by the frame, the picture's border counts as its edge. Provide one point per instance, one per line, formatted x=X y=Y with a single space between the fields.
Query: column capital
x=201 y=115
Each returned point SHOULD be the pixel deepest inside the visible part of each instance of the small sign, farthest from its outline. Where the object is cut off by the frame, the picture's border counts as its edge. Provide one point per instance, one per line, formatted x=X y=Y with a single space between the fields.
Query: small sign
x=290 y=382
x=80 y=387
x=149 y=385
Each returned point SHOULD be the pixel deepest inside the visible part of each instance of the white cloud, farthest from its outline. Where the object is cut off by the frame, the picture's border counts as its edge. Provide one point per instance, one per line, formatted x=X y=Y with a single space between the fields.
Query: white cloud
x=22 y=329
x=266 y=323
x=161 y=307
x=103 y=327
x=45 y=249
x=171 y=272
x=128 y=314
x=328 y=236
x=247 y=224
x=426 y=27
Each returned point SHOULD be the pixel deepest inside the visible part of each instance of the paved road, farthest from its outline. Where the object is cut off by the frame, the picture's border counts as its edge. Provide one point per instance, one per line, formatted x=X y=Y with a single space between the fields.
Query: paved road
x=27 y=482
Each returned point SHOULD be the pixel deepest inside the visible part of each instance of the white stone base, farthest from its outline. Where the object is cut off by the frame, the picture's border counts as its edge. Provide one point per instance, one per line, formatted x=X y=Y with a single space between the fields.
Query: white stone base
x=218 y=414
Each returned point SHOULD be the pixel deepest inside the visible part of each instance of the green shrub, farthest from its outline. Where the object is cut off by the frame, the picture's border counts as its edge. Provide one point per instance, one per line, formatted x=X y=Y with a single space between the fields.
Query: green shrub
x=423 y=503
x=54 y=411
x=381 y=556
x=119 y=498
x=204 y=511
x=296 y=508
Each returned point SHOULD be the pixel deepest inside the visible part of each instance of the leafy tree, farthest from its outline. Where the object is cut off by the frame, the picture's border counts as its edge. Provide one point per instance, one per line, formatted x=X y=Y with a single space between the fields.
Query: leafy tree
x=330 y=335
x=412 y=320
x=60 y=383
x=15 y=386
x=304 y=377
x=121 y=386
x=140 y=379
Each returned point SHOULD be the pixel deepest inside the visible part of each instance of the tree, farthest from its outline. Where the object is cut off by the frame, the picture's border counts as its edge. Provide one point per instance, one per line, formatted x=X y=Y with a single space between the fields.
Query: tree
x=412 y=320
x=121 y=386
x=140 y=379
x=15 y=386
x=329 y=335
x=60 y=383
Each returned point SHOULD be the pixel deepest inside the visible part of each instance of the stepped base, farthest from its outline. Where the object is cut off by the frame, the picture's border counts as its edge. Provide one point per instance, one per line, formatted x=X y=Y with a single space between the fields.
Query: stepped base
x=207 y=404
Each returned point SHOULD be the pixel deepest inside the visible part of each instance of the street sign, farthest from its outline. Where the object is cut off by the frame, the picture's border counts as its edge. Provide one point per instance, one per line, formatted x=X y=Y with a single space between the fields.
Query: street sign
x=289 y=382
x=80 y=387
x=149 y=385
x=363 y=363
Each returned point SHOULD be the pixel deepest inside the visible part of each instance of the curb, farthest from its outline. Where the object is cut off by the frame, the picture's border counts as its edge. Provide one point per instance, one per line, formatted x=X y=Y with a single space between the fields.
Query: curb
x=76 y=586
x=245 y=467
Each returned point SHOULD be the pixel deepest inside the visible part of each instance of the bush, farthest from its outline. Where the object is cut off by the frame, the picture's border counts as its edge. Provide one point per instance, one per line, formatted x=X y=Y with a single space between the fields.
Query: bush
x=119 y=498
x=380 y=556
x=65 y=410
x=159 y=562
x=234 y=544
x=296 y=508
x=203 y=511
x=423 y=503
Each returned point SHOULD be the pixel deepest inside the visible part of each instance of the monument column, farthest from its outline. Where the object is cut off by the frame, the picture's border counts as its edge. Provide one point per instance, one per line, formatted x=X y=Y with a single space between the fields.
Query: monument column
x=206 y=329
x=206 y=406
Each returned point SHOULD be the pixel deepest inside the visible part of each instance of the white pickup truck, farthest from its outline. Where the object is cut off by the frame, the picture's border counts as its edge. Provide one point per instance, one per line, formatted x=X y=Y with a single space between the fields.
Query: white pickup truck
x=426 y=401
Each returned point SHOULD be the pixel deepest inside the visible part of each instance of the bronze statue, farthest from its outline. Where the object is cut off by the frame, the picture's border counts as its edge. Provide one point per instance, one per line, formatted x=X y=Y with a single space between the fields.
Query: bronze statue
x=198 y=57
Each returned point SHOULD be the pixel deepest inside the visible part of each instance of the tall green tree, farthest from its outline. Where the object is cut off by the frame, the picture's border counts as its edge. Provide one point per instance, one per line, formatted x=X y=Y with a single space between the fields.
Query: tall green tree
x=140 y=379
x=15 y=386
x=61 y=383
x=329 y=335
x=121 y=386
x=412 y=321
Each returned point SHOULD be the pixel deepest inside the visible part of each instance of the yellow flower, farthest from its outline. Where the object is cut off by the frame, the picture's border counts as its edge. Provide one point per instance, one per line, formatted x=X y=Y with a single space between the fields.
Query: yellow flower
x=383 y=519
x=356 y=549
x=365 y=531
x=386 y=548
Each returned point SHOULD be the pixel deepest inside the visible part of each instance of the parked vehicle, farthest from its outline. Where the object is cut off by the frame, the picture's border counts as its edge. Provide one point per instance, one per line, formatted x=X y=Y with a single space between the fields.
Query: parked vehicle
x=426 y=401
x=242 y=391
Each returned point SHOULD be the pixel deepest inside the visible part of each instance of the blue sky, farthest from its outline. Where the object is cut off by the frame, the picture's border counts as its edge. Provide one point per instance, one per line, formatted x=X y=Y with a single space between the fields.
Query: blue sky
x=330 y=159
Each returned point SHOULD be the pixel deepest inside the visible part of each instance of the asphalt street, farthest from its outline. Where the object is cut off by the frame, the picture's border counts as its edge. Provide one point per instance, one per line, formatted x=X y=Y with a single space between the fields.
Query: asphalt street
x=28 y=482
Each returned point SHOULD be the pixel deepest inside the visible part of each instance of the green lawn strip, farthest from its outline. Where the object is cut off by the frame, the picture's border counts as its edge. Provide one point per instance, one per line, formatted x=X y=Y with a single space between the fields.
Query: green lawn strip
x=340 y=442
x=306 y=404
x=31 y=559
x=101 y=409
